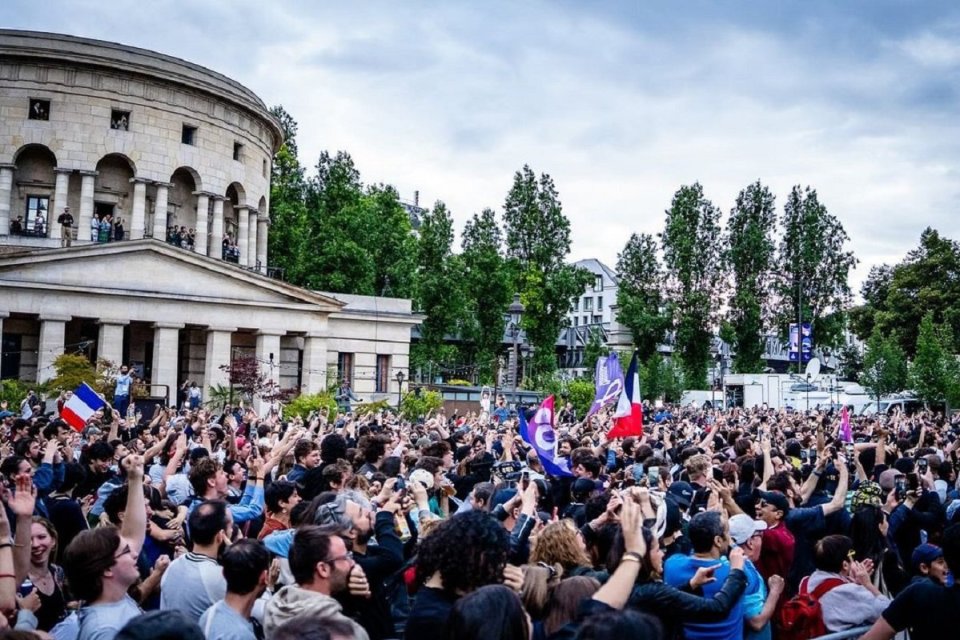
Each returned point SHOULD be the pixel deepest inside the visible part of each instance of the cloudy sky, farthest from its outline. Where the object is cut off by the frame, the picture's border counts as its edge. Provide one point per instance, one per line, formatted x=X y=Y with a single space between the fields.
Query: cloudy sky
x=621 y=102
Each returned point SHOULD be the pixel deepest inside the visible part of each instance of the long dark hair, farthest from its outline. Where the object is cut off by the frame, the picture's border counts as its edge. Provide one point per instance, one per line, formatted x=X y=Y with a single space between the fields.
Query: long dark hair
x=868 y=542
x=646 y=573
x=493 y=611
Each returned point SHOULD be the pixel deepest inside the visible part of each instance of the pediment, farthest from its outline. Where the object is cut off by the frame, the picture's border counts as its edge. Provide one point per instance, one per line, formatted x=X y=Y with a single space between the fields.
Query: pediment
x=154 y=269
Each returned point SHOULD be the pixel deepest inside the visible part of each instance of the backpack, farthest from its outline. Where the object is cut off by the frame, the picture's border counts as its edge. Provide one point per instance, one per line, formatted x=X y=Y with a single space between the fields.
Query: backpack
x=801 y=617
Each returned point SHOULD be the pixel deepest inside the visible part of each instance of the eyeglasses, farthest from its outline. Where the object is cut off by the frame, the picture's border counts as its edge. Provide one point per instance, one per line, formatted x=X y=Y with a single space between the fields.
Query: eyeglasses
x=126 y=549
x=347 y=556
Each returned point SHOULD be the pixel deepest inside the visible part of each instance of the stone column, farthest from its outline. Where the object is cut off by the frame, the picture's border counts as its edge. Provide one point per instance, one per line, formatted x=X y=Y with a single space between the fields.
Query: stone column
x=203 y=206
x=3 y=315
x=166 y=349
x=59 y=201
x=139 y=213
x=314 y=372
x=160 y=211
x=110 y=342
x=215 y=250
x=268 y=341
x=264 y=224
x=52 y=332
x=86 y=205
x=218 y=354
x=243 y=233
x=6 y=190
x=252 y=247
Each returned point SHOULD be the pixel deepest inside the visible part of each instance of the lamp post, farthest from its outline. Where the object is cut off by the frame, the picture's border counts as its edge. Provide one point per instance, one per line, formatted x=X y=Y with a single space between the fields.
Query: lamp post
x=399 y=377
x=515 y=310
x=808 y=392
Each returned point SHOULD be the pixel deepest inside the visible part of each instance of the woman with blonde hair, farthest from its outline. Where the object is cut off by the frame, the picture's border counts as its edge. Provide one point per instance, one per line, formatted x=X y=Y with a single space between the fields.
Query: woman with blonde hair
x=561 y=544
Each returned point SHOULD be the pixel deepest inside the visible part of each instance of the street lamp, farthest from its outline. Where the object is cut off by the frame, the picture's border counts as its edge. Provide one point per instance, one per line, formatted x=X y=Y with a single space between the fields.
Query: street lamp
x=399 y=387
x=808 y=392
x=515 y=310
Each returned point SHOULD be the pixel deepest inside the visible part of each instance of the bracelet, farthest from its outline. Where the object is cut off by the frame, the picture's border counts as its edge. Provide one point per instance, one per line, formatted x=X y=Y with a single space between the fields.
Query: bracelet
x=817 y=473
x=7 y=575
x=3 y=545
x=632 y=555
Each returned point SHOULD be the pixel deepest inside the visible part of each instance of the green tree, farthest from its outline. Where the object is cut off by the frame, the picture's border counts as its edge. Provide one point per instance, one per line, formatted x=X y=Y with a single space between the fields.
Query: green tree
x=390 y=242
x=750 y=256
x=640 y=303
x=538 y=242
x=884 y=366
x=287 y=203
x=926 y=281
x=814 y=264
x=487 y=290
x=850 y=362
x=439 y=282
x=693 y=259
x=931 y=372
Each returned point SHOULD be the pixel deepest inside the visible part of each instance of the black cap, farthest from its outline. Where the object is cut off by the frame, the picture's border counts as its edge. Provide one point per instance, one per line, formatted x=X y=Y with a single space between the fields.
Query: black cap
x=777 y=499
x=682 y=492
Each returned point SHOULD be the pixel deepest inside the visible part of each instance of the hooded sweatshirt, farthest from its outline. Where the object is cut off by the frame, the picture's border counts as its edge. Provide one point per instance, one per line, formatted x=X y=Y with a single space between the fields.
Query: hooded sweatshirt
x=292 y=601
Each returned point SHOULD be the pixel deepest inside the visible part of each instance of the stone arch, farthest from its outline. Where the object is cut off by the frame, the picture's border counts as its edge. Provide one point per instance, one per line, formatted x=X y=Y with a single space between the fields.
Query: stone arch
x=236 y=197
x=262 y=207
x=31 y=202
x=181 y=201
x=113 y=189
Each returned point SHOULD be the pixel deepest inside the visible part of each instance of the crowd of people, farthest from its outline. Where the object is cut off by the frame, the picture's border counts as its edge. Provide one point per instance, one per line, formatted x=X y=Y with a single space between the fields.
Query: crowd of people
x=756 y=523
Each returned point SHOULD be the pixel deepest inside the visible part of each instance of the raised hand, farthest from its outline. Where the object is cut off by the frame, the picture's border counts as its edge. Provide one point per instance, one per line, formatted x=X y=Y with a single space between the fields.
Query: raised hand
x=133 y=465
x=24 y=499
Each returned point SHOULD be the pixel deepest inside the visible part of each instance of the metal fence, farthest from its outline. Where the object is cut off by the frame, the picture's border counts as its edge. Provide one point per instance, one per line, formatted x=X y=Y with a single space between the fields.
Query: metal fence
x=849 y=634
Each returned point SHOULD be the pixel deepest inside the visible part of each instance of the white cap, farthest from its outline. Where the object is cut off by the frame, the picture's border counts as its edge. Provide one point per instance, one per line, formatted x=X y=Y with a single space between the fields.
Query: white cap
x=742 y=528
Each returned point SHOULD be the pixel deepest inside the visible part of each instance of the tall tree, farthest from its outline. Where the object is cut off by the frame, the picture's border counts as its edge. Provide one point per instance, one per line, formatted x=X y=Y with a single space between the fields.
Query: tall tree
x=391 y=243
x=694 y=267
x=538 y=242
x=439 y=283
x=750 y=255
x=287 y=204
x=884 y=366
x=933 y=370
x=926 y=281
x=640 y=300
x=486 y=289
x=814 y=264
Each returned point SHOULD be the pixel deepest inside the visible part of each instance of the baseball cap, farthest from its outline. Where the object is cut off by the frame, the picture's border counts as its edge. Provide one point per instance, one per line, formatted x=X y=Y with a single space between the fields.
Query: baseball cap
x=777 y=499
x=925 y=554
x=742 y=527
x=888 y=479
x=682 y=492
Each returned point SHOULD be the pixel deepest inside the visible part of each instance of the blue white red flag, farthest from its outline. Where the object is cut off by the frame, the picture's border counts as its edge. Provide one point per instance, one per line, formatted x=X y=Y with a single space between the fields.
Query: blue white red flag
x=628 y=419
x=78 y=410
x=539 y=434
x=608 y=381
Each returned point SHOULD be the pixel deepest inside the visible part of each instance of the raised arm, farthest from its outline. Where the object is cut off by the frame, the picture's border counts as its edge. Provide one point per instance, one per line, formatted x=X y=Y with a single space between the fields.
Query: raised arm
x=134 y=528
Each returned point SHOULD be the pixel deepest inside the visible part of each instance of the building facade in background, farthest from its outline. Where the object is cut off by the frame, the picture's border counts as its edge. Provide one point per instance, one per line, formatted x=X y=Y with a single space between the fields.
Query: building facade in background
x=174 y=151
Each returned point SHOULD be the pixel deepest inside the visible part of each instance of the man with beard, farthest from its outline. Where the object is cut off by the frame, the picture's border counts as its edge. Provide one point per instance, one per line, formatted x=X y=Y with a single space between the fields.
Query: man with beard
x=194 y=581
x=322 y=567
x=349 y=515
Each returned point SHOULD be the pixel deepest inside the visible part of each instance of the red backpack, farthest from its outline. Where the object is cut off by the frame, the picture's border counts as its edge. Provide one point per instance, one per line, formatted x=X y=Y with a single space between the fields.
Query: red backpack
x=801 y=617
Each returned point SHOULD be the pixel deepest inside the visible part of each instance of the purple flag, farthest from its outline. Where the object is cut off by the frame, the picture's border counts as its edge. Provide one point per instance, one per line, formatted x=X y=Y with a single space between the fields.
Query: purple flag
x=609 y=382
x=540 y=435
x=846 y=434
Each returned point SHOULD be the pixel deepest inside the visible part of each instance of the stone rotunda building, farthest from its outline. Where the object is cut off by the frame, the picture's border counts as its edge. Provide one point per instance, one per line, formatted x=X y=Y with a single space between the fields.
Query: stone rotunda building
x=158 y=142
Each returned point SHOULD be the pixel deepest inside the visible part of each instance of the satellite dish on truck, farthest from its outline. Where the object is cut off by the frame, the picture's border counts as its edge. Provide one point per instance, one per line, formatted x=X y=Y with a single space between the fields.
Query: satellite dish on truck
x=813 y=369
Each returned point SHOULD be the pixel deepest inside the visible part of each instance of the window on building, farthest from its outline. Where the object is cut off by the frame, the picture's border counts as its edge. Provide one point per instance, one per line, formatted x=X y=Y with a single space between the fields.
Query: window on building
x=264 y=170
x=576 y=304
x=599 y=303
x=597 y=319
x=35 y=220
x=39 y=109
x=237 y=151
x=576 y=321
x=189 y=135
x=120 y=120
x=588 y=304
x=598 y=283
x=586 y=320
x=383 y=373
x=345 y=368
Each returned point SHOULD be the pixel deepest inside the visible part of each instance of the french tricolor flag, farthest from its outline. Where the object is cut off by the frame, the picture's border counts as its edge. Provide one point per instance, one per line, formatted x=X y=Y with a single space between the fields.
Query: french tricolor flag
x=81 y=407
x=628 y=418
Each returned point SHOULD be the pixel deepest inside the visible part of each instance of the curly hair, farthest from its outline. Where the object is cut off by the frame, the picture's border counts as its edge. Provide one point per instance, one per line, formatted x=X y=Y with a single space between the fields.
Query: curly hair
x=469 y=551
x=558 y=544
